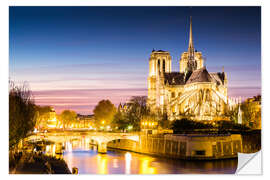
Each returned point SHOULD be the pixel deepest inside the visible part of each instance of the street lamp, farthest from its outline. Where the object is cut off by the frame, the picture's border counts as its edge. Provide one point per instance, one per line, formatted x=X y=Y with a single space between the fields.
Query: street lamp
x=130 y=127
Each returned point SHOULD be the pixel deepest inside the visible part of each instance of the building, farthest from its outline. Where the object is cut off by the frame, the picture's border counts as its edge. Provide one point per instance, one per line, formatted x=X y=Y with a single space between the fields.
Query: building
x=85 y=122
x=192 y=92
x=252 y=112
x=52 y=121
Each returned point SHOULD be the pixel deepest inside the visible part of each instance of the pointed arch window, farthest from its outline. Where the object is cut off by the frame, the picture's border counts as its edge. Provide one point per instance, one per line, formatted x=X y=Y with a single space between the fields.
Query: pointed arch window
x=163 y=65
x=158 y=65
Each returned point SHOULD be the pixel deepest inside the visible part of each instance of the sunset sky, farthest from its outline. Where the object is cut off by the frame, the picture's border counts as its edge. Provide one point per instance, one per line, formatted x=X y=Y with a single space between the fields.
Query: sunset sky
x=73 y=57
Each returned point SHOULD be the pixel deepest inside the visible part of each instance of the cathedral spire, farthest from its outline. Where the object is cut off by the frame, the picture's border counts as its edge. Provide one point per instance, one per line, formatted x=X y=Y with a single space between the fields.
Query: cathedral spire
x=192 y=64
x=190 y=45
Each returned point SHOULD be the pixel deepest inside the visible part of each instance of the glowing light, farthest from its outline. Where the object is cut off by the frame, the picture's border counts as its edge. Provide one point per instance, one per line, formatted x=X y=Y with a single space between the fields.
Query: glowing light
x=127 y=162
x=130 y=127
x=103 y=122
x=47 y=149
x=52 y=123
x=69 y=146
x=102 y=164
x=35 y=130
x=145 y=167
x=53 y=151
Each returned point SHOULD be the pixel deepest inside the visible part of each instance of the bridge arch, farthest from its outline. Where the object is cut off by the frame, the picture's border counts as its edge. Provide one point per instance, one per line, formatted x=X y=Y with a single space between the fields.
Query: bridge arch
x=126 y=144
x=102 y=139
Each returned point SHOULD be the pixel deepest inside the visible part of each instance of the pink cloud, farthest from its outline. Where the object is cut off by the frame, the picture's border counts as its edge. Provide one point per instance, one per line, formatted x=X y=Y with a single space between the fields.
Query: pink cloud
x=84 y=100
x=244 y=91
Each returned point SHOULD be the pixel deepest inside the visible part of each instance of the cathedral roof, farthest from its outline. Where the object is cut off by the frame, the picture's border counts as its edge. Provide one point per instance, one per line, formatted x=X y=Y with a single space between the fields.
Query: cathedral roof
x=159 y=51
x=174 y=78
x=218 y=77
x=200 y=75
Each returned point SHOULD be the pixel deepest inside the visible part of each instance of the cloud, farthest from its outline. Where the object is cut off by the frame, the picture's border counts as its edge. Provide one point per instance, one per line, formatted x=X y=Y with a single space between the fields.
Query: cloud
x=84 y=100
x=244 y=91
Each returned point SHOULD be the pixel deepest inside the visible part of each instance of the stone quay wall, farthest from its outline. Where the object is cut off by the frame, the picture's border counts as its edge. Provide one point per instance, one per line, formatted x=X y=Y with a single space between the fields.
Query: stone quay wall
x=184 y=146
x=251 y=141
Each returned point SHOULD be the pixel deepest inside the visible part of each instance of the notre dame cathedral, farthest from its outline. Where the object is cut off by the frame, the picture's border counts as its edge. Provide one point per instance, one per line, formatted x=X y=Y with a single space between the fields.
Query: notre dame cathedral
x=192 y=93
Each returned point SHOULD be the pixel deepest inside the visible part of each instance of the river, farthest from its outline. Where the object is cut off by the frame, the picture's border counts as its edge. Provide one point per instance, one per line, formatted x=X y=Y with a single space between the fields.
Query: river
x=78 y=153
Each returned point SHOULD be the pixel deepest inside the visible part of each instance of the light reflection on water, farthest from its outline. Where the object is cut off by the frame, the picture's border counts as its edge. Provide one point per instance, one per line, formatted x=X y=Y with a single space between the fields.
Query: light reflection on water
x=80 y=154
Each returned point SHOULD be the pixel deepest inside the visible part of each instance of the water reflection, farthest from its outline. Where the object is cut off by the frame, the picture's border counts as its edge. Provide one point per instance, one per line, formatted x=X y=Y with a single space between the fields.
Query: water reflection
x=102 y=164
x=115 y=163
x=81 y=154
x=146 y=168
x=127 y=162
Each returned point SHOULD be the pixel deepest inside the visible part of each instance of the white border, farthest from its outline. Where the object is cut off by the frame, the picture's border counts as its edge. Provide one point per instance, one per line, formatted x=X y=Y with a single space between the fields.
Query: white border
x=4 y=71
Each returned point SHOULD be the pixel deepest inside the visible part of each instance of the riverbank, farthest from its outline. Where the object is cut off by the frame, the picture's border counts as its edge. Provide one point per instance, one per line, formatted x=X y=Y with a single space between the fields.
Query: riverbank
x=191 y=146
x=36 y=163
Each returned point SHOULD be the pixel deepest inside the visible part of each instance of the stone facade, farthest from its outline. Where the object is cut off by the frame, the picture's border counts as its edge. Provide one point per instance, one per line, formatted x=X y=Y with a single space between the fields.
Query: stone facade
x=192 y=92
x=52 y=121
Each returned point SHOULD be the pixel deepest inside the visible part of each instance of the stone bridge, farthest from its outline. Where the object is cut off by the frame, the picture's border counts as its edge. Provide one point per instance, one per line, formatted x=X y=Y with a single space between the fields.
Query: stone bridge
x=100 y=138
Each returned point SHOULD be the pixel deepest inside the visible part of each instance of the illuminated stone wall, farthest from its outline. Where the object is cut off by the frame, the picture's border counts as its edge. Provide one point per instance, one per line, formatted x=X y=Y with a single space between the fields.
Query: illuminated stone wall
x=199 y=101
x=183 y=147
x=184 y=61
x=159 y=63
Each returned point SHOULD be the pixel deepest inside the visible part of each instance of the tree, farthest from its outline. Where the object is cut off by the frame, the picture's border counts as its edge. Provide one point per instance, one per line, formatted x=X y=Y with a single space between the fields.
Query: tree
x=251 y=109
x=163 y=119
x=104 y=113
x=137 y=109
x=232 y=114
x=247 y=113
x=21 y=113
x=68 y=117
x=184 y=125
x=228 y=126
x=120 y=121
x=43 y=115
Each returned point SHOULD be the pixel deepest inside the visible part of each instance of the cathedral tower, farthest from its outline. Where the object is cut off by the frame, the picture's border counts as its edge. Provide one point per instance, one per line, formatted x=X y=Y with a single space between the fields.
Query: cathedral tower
x=160 y=62
x=191 y=60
